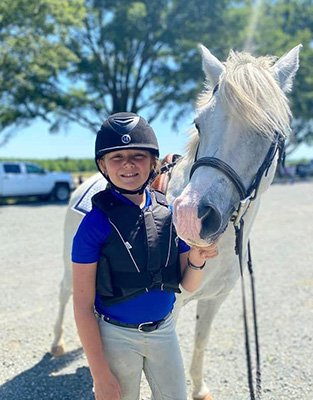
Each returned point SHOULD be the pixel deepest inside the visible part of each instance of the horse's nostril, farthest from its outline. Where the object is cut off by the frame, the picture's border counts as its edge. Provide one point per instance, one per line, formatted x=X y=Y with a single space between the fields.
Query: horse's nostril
x=211 y=220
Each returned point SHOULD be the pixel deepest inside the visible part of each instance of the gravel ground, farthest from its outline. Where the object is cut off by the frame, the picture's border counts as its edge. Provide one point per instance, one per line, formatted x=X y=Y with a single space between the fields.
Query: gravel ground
x=31 y=270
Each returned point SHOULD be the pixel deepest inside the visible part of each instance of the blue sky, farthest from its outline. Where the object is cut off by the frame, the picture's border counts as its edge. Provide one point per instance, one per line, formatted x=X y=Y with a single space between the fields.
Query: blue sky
x=36 y=142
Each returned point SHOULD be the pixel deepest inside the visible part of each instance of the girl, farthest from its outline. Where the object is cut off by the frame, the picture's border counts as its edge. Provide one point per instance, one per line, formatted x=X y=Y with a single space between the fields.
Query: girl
x=127 y=266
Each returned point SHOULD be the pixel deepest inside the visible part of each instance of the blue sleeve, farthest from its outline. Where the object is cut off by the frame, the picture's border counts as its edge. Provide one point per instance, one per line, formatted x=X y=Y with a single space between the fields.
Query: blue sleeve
x=182 y=246
x=90 y=236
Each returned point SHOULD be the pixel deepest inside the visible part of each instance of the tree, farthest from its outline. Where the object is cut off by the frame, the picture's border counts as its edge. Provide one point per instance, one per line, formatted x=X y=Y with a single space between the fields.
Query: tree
x=137 y=55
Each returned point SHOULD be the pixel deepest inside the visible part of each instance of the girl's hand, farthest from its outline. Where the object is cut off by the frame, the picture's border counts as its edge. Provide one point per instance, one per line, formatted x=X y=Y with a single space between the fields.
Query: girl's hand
x=198 y=255
x=192 y=264
x=107 y=388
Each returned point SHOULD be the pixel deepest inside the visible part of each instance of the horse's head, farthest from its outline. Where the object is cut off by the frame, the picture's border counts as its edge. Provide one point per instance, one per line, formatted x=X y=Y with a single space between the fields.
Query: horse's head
x=242 y=115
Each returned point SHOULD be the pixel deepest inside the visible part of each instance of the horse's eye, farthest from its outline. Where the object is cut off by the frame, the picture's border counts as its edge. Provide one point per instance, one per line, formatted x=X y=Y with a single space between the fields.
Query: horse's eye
x=215 y=89
x=197 y=127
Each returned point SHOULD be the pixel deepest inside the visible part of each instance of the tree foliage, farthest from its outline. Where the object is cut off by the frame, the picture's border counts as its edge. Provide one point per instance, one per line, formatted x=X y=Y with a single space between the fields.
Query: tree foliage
x=137 y=55
x=79 y=60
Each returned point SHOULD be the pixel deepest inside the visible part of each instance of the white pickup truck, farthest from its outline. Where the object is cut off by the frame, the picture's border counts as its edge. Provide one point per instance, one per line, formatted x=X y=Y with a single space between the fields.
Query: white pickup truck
x=29 y=179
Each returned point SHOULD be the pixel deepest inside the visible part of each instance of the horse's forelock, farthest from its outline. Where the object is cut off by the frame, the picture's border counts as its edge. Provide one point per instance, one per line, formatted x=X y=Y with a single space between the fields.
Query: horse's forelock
x=204 y=95
x=250 y=92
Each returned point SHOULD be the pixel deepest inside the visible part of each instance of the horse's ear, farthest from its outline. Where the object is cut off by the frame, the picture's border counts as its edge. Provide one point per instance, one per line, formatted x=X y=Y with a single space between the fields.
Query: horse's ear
x=211 y=66
x=286 y=67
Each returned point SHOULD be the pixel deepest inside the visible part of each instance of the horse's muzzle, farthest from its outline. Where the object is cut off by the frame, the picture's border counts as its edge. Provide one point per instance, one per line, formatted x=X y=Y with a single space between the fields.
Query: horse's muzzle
x=198 y=222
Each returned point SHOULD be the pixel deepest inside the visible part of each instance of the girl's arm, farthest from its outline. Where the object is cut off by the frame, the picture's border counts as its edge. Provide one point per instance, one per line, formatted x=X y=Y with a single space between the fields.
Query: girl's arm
x=192 y=277
x=106 y=385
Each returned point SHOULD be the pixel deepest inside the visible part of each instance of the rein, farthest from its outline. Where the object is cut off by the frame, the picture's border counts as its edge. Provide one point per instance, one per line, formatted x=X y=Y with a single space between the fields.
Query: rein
x=246 y=197
x=162 y=180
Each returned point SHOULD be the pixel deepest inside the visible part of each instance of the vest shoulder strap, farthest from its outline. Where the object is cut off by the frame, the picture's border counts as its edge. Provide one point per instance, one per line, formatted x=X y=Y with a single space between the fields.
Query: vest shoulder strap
x=105 y=200
x=159 y=197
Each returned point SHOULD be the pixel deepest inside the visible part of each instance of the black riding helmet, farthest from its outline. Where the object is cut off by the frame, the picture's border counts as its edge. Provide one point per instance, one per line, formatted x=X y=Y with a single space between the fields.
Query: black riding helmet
x=123 y=131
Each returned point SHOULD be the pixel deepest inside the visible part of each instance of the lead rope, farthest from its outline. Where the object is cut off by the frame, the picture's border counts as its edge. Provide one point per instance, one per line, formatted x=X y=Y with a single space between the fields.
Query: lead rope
x=238 y=248
x=256 y=336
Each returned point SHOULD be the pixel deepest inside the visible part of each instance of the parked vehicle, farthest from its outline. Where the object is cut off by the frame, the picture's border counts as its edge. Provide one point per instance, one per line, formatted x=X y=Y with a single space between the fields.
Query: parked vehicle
x=305 y=170
x=29 y=179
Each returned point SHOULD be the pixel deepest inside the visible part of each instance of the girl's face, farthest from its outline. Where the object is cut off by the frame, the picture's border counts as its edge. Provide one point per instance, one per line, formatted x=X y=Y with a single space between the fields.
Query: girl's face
x=127 y=169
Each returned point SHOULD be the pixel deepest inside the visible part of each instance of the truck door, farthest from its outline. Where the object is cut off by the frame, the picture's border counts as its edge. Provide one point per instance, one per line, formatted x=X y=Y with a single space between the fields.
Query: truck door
x=39 y=181
x=13 y=179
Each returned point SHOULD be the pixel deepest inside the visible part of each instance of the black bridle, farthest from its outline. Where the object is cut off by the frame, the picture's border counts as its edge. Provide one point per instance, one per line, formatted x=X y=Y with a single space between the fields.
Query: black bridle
x=246 y=197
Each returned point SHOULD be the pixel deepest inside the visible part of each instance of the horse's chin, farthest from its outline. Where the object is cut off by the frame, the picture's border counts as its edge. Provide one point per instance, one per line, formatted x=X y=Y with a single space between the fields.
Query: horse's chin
x=200 y=242
x=205 y=241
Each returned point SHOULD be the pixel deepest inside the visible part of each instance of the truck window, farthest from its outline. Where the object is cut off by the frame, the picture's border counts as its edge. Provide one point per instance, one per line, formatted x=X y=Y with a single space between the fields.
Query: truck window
x=33 y=169
x=11 y=168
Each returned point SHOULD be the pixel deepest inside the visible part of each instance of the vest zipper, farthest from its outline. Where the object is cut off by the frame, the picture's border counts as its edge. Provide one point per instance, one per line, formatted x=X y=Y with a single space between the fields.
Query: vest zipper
x=121 y=237
x=142 y=217
x=169 y=246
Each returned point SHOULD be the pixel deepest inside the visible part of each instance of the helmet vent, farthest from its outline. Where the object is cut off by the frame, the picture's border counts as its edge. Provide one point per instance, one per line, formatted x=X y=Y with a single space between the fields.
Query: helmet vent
x=123 y=125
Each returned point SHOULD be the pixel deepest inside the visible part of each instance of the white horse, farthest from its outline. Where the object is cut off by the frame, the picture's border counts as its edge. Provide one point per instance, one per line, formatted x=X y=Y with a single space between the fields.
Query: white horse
x=241 y=113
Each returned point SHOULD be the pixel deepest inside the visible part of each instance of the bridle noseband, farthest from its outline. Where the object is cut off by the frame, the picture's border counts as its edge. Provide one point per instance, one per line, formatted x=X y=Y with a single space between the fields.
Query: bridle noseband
x=221 y=166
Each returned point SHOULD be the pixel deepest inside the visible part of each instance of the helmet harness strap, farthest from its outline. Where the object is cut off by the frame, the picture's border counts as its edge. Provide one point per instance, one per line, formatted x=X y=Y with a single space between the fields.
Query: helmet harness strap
x=125 y=191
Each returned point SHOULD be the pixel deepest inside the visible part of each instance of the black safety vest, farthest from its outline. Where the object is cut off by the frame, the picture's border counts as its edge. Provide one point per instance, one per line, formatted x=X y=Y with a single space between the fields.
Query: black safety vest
x=141 y=251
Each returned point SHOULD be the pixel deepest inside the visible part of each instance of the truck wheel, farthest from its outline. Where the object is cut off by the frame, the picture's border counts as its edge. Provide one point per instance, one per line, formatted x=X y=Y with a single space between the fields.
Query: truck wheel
x=62 y=192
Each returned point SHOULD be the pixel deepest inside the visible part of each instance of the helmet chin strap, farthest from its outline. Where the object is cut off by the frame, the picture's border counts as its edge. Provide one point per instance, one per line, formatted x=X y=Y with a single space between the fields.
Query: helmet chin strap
x=125 y=191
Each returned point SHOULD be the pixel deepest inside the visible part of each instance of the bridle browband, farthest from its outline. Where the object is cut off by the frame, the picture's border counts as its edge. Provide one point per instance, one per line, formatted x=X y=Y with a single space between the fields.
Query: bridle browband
x=246 y=197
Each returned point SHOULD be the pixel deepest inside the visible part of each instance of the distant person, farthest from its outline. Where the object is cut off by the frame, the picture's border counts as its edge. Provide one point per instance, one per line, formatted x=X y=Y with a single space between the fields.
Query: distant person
x=292 y=173
x=127 y=266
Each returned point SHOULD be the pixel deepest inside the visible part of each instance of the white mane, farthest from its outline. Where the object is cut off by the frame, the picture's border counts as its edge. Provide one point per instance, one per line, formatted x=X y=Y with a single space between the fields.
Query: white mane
x=249 y=91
